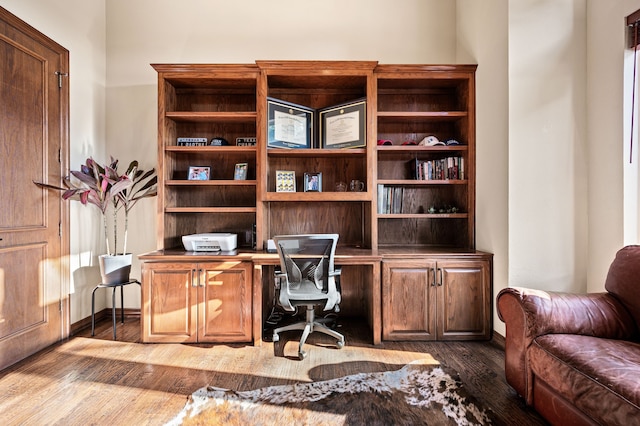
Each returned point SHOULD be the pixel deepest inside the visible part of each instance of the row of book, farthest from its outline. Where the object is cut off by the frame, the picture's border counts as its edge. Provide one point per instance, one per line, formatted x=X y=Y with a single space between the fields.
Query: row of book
x=390 y=199
x=449 y=168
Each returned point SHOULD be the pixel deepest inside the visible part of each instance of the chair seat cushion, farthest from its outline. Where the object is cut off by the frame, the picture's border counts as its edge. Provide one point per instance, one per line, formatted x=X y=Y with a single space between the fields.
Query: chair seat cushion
x=599 y=376
x=305 y=290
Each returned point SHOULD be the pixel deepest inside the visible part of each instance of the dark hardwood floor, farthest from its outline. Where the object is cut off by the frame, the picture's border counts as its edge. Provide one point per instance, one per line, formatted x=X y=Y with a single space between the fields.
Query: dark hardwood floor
x=95 y=380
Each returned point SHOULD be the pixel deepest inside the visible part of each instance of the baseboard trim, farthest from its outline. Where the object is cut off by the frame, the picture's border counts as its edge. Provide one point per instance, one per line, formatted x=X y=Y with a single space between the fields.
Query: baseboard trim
x=498 y=340
x=102 y=315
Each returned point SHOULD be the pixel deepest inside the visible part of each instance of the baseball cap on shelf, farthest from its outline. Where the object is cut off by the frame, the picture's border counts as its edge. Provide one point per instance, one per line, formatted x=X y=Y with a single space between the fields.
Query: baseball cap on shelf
x=452 y=142
x=430 y=141
x=218 y=141
x=409 y=143
x=384 y=142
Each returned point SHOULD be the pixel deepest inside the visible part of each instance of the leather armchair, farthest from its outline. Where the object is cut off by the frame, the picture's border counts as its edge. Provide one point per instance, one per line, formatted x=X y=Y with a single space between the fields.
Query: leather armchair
x=568 y=354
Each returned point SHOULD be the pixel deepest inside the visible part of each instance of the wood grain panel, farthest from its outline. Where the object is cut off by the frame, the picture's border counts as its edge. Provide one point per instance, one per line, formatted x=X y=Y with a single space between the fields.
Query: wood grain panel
x=23 y=94
x=345 y=219
x=465 y=300
x=169 y=302
x=408 y=300
x=226 y=306
x=22 y=289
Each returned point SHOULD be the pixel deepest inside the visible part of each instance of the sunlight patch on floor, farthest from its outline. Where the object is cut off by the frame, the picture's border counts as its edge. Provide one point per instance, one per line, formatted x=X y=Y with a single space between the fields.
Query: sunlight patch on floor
x=250 y=359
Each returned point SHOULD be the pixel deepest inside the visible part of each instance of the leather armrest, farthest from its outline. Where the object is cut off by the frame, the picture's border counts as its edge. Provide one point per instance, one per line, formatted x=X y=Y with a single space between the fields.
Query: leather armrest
x=529 y=313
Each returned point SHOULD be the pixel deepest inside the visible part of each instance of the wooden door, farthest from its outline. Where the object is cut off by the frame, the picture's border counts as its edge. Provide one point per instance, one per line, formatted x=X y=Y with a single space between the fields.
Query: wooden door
x=408 y=300
x=34 y=245
x=464 y=299
x=224 y=311
x=169 y=302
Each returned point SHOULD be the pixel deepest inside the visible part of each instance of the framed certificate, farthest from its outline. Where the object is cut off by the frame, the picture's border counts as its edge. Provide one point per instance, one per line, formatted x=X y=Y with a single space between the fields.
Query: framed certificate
x=344 y=126
x=289 y=125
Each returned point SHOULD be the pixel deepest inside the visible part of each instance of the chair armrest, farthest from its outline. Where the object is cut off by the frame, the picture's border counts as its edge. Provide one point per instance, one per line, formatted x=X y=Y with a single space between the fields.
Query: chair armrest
x=529 y=313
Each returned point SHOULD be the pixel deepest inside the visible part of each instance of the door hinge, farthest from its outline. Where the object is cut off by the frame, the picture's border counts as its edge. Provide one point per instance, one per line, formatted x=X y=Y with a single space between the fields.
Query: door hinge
x=59 y=229
x=60 y=305
x=60 y=75
x=60 y=156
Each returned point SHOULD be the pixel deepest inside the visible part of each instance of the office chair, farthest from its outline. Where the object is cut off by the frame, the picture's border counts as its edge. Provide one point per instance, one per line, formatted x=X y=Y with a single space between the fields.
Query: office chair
x=308 y=278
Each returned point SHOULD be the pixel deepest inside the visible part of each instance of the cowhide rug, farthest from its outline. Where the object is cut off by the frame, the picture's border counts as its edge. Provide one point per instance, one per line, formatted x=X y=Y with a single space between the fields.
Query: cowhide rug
x=417 y=394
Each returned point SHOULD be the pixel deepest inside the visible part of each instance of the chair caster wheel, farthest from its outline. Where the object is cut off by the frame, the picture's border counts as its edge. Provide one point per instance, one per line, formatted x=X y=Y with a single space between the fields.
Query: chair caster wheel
x=275 y=338
x=302 y=355
x=340 y=345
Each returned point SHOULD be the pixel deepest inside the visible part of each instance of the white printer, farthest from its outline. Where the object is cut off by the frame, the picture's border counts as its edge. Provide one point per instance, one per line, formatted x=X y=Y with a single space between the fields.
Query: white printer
x=210 y=242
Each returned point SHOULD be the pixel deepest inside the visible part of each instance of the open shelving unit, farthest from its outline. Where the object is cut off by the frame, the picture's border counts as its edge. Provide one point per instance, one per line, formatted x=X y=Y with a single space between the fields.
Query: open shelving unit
x=404 y=103
x=206 y=101
x=415 y=101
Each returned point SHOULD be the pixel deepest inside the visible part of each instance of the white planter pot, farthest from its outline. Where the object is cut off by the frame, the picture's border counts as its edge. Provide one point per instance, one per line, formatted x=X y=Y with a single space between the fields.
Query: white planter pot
x=115 y=269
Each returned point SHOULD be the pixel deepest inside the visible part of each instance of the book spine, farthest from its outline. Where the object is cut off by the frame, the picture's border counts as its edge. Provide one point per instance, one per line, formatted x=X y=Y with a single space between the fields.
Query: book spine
x=380 y=198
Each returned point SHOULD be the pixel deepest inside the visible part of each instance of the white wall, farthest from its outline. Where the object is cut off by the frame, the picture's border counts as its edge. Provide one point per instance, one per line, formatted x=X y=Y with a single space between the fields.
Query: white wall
x=482 y=30
x=607 y=141
x=80 y=27
x=547 y=145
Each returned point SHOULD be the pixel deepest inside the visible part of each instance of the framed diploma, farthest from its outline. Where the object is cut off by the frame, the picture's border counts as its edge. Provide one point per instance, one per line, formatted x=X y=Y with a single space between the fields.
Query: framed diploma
x=289 y=125
x=344 y=126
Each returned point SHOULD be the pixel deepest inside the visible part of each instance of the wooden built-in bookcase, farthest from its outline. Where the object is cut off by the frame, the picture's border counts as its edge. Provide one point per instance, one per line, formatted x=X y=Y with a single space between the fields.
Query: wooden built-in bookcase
x=425 y=244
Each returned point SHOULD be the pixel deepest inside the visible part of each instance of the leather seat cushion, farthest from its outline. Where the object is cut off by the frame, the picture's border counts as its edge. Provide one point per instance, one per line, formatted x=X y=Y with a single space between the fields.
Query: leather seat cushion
x=599 y=376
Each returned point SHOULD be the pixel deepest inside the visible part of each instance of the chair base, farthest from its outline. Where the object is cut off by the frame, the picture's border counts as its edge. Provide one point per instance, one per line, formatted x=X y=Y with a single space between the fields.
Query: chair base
x=308 y=327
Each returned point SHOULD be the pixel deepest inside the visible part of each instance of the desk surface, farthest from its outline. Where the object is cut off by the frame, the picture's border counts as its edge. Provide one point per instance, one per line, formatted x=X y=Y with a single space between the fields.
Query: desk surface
x=344 y=255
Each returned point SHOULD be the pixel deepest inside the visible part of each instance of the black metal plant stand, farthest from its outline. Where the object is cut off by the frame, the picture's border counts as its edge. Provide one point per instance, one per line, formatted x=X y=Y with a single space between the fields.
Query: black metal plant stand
x=113 y=302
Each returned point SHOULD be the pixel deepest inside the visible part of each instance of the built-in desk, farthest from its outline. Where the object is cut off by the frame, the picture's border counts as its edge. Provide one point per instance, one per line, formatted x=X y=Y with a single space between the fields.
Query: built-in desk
x=360 y=285
x=404 y=294
x=228 y=292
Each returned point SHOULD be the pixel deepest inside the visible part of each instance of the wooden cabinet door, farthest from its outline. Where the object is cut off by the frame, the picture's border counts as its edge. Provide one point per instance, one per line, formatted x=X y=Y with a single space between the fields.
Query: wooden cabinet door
x=464 y=299
x=408 y=300
x=224 y=310
x=169 y=302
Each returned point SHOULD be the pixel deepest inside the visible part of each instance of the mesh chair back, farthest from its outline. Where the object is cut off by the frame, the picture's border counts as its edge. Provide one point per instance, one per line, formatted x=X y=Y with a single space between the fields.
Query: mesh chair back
x=308 y=261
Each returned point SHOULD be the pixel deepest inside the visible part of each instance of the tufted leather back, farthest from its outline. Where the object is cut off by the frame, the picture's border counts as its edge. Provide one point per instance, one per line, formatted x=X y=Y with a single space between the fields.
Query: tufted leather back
x=623 y=279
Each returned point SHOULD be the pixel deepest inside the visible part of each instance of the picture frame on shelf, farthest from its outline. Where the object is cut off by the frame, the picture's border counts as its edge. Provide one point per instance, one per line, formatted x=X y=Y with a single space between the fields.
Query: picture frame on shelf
x=313 y=182
x=344 y=125
x=285 y=181
x=240 y=171
x=289 y=125
x=199 y=173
